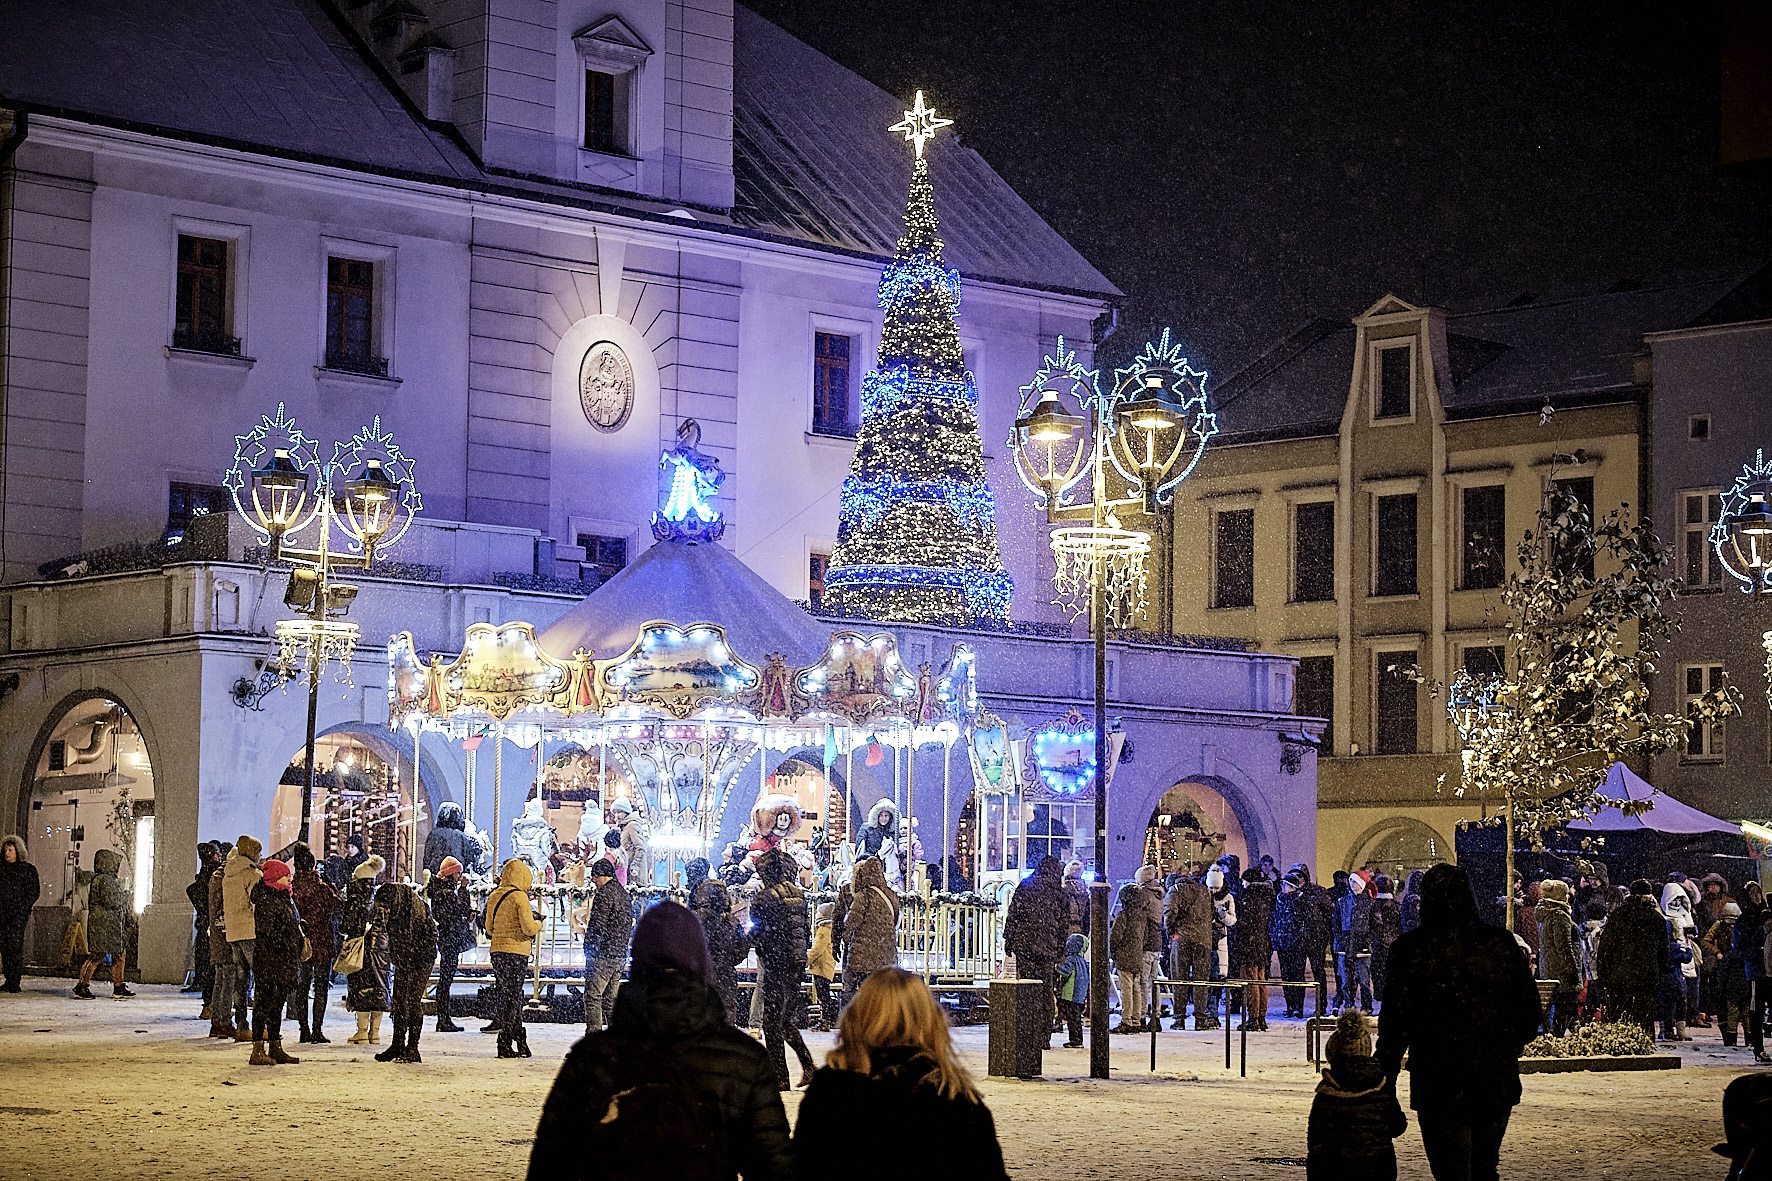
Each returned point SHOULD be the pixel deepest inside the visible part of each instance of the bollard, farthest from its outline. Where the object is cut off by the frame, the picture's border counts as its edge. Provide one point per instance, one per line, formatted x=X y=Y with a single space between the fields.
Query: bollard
x=1017 y=1038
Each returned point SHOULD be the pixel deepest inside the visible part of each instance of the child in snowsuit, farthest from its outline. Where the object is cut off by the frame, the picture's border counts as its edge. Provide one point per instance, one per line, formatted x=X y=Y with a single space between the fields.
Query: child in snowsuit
x=1356 y=1114
x=1073 y=987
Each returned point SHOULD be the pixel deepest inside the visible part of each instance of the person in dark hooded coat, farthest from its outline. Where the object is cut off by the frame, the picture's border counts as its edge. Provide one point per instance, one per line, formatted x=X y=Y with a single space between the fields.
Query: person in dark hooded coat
x=1317 y=928
x=670 y=1089
x=1410 y=903
x=727 y=942
x=783 y=934
x=109 y=917
x=276 y=958
x=412 y=949
x=449 y=838
x=318 y=904
x=1355 y=1115
x=1035 y=929
x=1461 y=1002
x=19 y=889
x=1632 y=957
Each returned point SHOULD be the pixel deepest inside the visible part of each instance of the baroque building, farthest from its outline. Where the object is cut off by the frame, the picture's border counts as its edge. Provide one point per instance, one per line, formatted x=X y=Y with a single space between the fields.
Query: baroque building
x=534 y=239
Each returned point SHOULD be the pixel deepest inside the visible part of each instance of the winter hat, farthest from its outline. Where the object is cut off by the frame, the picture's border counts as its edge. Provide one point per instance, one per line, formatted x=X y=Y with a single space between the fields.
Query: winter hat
x=301 y=857
x=1357 y=881
x=450 y=868
x=1295 y=880
x=1555 y=890
x=1146 y=874
x=248 y=847
x=612 y=839
x=370 y=869
x=1642 y=886
x=1446 y=897
x=1382 y=884
x=623 y=806
x=670 y=937
x=206 y=850
x=1351 y=1038
x=602 y=867
x=1731 y=910
x=276 y=874
x=1074 y=869
x=1215 y=879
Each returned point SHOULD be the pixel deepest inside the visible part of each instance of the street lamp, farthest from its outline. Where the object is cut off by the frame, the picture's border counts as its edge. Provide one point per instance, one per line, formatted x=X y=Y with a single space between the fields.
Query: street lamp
x=282 y=488
x=1085 y=453
x=1742 y=537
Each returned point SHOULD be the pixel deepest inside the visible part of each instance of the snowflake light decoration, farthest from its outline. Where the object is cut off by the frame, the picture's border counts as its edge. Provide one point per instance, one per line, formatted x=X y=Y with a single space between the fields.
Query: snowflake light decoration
x=1742 y=535
x=271 y=437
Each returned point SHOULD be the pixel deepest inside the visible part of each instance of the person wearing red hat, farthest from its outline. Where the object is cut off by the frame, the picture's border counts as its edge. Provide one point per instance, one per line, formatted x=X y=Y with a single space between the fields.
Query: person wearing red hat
x=1353 y=942
x=453 y=909
x=276 y=957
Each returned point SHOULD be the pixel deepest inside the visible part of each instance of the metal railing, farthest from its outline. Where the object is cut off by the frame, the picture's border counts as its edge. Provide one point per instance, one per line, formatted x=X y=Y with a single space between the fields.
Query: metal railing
x=938 y=939
x=1219 y=994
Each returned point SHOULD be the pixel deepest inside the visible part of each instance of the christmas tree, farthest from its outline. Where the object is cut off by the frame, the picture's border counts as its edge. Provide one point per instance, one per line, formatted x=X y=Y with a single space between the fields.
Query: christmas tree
x=916 y=536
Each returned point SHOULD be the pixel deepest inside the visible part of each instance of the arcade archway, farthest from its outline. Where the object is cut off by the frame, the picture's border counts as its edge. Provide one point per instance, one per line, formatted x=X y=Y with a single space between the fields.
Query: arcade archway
x=1192 y=826
x=1398 y=846
x=362 y=786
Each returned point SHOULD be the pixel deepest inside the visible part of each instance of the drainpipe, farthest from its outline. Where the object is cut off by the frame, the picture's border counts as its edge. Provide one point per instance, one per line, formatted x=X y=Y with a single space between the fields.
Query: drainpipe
x=15 y=135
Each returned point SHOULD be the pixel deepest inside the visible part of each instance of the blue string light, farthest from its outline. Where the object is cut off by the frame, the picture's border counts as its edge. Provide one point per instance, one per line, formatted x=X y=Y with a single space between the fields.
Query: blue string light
x=866 y=501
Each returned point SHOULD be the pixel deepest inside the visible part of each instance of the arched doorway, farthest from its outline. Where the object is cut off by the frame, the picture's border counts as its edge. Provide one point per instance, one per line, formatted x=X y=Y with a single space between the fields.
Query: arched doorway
x=92 y=788
x=362 y=787
x=1192 y=826
x=1399 y=846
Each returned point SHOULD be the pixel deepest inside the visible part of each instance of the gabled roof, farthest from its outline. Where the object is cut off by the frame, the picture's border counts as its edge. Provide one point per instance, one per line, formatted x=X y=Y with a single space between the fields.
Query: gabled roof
x=287 y=78
x=813 y=160
x=1571 y=348
x=276 y=75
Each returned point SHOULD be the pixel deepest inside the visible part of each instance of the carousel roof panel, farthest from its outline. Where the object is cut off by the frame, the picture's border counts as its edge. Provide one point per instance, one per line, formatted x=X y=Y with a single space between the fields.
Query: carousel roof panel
x=689 y=583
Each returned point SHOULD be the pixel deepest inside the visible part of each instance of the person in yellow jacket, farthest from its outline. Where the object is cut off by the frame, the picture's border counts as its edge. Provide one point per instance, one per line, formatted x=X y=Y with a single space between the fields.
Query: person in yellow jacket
x=512 y=925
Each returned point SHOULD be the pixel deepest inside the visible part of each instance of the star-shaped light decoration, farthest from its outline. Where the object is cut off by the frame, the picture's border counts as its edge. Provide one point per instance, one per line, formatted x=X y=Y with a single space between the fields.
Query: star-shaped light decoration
x=920 y=124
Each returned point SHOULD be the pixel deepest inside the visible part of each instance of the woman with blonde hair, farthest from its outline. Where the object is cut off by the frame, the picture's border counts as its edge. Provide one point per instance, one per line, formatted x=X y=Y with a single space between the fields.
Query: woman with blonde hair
x=894 y=1066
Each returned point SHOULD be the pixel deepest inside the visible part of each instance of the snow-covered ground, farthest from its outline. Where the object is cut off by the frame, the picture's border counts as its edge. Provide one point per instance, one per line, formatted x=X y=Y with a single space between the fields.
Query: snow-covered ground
x=130 y=1089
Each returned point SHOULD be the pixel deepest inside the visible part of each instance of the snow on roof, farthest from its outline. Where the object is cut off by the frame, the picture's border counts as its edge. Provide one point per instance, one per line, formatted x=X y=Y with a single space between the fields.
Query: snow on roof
x=686 y=583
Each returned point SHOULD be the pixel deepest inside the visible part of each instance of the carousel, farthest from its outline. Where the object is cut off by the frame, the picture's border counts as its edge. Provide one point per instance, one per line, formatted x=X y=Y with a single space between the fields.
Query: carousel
x=676 y=690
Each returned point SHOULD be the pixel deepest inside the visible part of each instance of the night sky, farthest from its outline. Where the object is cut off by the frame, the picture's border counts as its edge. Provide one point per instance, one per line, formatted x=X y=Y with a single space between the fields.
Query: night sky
x=1237 y=166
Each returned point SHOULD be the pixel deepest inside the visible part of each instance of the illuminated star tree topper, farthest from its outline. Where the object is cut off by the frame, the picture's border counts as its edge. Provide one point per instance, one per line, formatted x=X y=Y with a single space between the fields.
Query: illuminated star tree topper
x=920 y=123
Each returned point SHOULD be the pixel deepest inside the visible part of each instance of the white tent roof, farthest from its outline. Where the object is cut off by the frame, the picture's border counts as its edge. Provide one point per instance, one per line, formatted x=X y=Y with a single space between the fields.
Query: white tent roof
x=685 y=582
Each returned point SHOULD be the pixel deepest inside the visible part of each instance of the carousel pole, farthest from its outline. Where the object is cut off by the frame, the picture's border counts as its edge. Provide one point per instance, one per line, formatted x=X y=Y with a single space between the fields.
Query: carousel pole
x=849 y=785
x=947 y=752
x=498 y=774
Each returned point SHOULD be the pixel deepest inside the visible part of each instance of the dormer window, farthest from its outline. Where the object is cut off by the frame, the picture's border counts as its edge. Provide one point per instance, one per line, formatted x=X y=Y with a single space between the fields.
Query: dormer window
x=611 y=55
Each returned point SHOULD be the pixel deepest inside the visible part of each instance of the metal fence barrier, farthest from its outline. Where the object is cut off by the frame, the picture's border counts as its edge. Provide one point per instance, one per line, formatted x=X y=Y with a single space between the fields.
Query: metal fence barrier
x=1220 y=993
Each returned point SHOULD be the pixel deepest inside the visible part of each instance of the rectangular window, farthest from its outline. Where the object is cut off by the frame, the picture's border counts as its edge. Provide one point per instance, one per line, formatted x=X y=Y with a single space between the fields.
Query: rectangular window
x=1701 y=566
x=1394 y=546
x=1313 y=693
x=1234 y=559
x=1394 y=705
x=831 y=354
x=1485 y=660
x=1480 y=546
x=1395 y=394
x=608 y=556
x=1313 y=550
x=816 y=565
x=1582 y=489
x=600 y=119
x=1704 y=741
x=186 y=502
x=202 y=318
x=1698 y=427
x=352 y=343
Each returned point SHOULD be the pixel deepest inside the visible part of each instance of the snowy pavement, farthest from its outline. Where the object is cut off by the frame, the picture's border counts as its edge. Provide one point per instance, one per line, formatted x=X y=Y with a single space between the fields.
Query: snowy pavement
x=130 y=1089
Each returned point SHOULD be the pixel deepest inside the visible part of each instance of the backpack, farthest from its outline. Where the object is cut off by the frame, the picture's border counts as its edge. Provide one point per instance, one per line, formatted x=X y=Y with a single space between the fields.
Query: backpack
x=652 y=1124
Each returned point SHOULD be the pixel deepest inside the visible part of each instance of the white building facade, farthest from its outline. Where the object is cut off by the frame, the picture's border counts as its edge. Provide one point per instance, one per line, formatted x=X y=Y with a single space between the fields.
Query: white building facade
x=533 y=238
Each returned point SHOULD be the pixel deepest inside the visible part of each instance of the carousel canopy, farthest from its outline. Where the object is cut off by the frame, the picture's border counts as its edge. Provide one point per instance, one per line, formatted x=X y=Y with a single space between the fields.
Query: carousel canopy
x=689 y=582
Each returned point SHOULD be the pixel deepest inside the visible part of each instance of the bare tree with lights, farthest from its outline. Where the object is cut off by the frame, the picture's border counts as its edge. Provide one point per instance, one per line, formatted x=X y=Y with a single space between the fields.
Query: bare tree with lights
x=1585 y=615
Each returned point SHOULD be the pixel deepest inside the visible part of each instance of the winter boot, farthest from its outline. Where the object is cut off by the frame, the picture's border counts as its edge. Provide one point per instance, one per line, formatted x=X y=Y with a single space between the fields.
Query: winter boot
x=221 y=1029
x=1680 y=1032
x=82 y=991
x=446 y=1023
x=523 y=1044
x=204 y=1015
x=242 y=1033
x=259 y=1057
x=375 y=1028
x=279 y=1057
x=362 y=1034
x=397 y=1048
x=492 y=1027
x=504 y=1046
x=121 y=991
x=412 y=1032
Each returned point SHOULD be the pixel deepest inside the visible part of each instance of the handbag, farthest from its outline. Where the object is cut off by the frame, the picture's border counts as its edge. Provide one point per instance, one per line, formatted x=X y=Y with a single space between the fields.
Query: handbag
x=350 y=956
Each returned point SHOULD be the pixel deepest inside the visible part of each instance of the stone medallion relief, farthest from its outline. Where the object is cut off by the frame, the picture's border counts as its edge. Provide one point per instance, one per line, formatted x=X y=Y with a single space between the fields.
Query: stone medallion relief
x=606 y=386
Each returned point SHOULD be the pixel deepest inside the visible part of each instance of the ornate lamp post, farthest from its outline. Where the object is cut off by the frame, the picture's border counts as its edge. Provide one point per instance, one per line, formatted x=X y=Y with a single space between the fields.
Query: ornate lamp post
x=1742 y=537
x=1086 y=453
x=282 y=488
